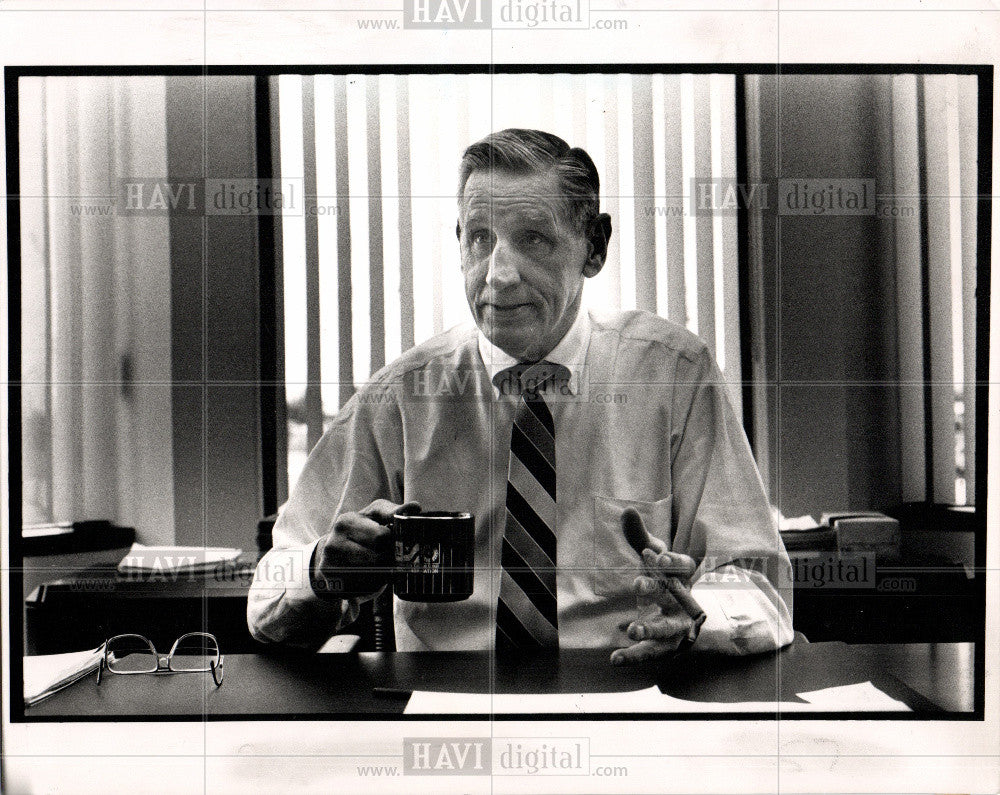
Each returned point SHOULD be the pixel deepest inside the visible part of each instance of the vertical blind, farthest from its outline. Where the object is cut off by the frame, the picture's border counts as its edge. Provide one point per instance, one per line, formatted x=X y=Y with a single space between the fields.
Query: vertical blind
x=371 y=266
x=95 y=304
x=934 y=126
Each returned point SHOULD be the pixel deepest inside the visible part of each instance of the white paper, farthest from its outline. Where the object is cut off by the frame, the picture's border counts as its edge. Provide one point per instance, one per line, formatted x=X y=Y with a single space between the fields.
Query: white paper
x=49 y=671
x=795 y=523
x=671 y=704
x=425 y=702
x=862 y=697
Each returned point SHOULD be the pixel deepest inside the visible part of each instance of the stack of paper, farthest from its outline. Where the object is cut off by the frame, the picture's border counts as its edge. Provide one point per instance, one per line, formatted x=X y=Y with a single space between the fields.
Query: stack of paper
x=797 y=524
x=49 y=673
x=863 y=697
x=162 y=560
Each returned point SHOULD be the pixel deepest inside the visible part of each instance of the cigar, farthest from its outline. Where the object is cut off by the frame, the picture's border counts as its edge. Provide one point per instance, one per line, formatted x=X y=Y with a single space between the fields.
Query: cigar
x=638 y=538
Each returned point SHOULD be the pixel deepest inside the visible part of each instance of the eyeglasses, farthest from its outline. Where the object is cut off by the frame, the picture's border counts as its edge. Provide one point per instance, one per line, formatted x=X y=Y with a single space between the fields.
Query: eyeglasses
x=195 y=652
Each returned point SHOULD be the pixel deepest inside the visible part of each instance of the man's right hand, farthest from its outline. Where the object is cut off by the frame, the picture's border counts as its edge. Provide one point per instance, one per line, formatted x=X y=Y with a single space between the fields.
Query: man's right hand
x=356 y=557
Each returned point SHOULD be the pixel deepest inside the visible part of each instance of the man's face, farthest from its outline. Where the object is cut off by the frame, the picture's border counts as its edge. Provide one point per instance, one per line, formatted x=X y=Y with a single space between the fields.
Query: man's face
x=524 y=262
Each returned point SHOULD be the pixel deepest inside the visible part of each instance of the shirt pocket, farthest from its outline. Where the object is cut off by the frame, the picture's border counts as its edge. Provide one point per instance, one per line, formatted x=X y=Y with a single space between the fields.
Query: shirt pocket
x=615 y=563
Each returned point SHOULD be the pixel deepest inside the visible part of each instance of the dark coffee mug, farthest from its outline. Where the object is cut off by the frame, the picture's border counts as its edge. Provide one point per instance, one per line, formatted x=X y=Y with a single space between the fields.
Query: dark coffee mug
x=435 y=556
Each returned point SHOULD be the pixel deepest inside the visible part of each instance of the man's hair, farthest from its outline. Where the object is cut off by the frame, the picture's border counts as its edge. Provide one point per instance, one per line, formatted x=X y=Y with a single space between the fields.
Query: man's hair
x=520 y=151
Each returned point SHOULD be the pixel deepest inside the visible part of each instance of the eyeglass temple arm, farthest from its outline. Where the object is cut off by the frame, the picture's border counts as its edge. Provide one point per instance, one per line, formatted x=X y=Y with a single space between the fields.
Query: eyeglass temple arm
x=217 y=671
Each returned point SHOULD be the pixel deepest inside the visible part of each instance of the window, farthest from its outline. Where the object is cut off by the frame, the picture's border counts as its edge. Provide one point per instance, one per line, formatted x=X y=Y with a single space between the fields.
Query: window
x=865 y=323
x=371 y=267
x=934 y=136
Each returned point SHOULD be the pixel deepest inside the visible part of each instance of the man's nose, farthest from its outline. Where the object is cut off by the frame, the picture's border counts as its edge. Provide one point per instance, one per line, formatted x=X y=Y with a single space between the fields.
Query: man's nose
x=502 y=272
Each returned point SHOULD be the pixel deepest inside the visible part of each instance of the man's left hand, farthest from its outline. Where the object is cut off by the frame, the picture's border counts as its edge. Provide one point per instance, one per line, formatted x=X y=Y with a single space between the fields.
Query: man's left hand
x=659 y=634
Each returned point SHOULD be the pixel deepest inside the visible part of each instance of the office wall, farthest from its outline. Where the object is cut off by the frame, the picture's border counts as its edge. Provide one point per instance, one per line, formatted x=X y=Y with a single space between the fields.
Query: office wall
x=829 y=298
x=215 y=336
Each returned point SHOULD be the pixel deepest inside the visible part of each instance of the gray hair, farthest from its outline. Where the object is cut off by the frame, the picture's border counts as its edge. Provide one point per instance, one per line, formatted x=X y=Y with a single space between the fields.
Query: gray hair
x=520 y=151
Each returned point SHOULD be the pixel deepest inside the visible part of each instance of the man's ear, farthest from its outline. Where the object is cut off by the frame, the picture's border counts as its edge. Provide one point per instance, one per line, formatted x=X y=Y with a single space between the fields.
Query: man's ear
x=597 y=236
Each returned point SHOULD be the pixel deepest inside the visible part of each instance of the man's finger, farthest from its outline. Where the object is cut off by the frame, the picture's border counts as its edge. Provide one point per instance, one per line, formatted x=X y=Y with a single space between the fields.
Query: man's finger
x=666 y=628
x=634 y=530
x=639 y=652
x=672 y=564
x=343 y=568
x=658 y=587
x=364 y=531
x=350 y=553
x=647 y=586
x=656 y=590
x=382 y=511
x=360 y=555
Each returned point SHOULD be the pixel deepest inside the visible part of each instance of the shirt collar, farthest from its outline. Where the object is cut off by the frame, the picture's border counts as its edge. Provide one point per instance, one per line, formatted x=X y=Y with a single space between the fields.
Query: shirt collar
x=571 y=352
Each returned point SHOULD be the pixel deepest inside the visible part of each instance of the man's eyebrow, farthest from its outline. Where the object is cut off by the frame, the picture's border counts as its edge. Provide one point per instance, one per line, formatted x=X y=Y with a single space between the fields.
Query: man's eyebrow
x=539 y=218
x=483 y=208
x=476 y=217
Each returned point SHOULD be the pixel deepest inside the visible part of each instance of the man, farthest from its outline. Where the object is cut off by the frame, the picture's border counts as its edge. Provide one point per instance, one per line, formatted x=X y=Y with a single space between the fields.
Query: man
x=633 y=426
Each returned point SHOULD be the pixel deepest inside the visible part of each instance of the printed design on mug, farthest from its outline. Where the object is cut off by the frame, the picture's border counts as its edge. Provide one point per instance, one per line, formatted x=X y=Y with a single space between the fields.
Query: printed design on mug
x=419 y=558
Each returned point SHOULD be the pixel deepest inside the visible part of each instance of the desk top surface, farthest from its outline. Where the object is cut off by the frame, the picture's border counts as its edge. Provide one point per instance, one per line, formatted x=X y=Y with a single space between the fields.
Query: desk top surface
x=341 y=685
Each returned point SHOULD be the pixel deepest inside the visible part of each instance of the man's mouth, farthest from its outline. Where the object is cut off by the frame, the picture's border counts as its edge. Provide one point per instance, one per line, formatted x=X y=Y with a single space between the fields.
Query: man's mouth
x=504 y=307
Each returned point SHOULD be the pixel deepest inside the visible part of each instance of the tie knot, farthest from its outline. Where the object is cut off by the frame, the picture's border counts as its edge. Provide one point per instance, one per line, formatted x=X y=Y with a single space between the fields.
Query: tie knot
x=531 y=378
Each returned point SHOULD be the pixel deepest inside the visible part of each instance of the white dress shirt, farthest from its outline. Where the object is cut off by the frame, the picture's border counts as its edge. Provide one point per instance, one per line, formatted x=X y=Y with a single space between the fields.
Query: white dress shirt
x=646 y=424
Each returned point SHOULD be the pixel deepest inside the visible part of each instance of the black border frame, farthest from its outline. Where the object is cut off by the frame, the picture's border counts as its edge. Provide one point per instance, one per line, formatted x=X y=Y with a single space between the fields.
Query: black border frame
x=270 y=361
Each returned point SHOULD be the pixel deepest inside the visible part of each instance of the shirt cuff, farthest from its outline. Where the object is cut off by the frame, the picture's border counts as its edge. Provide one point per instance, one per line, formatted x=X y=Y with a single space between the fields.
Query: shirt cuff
x=745 y=614
x=283 y=607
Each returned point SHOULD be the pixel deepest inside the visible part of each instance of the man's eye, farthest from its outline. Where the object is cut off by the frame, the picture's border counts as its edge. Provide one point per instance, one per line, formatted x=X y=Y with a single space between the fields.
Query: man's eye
x=534 y=239
x=481 y=240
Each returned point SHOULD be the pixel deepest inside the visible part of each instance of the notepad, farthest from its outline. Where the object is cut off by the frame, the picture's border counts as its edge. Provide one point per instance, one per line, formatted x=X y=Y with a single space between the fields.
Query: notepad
x=169 y=559
x=862 y=697
x=47 y=674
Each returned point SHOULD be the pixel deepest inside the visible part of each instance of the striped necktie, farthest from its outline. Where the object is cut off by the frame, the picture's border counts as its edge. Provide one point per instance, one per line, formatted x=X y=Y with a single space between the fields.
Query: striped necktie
x=526 y=609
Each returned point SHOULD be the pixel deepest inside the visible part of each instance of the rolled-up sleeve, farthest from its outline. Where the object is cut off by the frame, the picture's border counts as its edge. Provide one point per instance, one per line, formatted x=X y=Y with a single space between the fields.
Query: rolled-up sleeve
x=723 y=519
x=745 y=613
x=345 y=471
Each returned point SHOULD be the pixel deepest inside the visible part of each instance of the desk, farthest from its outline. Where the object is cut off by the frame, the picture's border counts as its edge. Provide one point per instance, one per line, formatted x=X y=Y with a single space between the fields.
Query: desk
x=76 y=602
x=263 y=686
x=82 y=608
x=916 y=600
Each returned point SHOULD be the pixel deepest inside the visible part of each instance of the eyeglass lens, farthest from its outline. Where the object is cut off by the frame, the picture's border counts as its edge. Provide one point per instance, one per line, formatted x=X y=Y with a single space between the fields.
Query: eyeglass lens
x=130 y=654
x=195 y=652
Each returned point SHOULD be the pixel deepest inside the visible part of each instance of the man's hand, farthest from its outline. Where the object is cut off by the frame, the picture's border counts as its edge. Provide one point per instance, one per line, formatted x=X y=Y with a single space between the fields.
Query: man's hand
x=355 y=558
x=660 y=634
